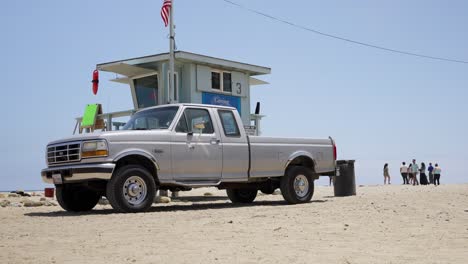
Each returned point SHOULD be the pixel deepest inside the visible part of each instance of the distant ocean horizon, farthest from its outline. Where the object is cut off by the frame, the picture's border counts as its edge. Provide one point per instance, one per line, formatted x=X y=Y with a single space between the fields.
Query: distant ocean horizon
x=9 y=191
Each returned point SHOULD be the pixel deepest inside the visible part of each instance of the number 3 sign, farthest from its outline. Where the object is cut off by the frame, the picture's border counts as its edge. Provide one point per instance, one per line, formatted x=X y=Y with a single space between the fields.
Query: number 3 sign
x=239 y=88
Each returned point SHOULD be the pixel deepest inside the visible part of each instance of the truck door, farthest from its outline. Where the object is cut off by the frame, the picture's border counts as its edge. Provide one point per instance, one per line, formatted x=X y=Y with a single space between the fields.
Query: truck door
x=235 y=146
x=196 y=148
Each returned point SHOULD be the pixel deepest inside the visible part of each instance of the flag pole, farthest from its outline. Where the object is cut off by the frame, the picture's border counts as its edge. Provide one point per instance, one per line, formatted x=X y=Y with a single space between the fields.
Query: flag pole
x=171 y=54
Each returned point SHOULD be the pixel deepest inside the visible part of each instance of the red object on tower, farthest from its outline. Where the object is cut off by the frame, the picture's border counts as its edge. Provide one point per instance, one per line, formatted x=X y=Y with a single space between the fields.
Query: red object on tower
x=95 y=81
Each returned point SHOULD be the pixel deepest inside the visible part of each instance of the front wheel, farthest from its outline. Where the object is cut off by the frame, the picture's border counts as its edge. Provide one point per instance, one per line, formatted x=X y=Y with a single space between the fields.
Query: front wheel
x=241 y=195
x=132 y=189
x=297 y=186
x=76 y=198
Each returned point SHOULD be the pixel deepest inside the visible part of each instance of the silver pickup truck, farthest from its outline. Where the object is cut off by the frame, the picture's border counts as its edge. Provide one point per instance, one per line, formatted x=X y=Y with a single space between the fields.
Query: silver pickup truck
x=179 y=147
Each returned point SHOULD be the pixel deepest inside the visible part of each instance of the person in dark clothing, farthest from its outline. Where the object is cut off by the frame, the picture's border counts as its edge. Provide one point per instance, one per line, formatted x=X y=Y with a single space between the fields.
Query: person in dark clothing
x=431 y=175
x=422 y=174
x=437 y=172
x=410 y=175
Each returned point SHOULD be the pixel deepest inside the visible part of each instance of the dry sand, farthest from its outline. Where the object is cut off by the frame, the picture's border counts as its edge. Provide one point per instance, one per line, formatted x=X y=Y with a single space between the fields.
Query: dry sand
x=382 y=224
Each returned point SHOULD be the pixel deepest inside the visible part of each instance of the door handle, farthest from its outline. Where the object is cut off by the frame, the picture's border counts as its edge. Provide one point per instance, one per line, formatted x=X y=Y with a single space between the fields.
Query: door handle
x=190 y=145
x=214 y=141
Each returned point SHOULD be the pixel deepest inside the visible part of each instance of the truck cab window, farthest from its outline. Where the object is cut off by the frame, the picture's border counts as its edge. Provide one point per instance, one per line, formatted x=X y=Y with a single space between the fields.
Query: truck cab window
x=198 y=120
x=140 y=123
x=157 y=118
x=229 y=123
x=182 y=125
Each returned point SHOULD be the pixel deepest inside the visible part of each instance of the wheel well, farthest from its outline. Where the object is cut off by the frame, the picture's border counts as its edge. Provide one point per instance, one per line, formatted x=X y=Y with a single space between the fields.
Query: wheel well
x=302 y=161
x=138 y=160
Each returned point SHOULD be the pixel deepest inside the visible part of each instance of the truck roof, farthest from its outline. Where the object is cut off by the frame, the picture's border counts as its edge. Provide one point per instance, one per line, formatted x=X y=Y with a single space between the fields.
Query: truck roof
x=187 y=104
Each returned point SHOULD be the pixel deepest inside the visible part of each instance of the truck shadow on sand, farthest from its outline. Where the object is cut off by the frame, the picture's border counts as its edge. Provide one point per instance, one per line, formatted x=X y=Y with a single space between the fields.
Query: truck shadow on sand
x=170 y=208
x=200 y=198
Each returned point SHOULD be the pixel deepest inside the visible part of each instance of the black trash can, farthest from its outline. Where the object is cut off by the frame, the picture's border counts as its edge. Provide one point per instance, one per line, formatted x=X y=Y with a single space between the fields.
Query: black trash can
x=345 y=184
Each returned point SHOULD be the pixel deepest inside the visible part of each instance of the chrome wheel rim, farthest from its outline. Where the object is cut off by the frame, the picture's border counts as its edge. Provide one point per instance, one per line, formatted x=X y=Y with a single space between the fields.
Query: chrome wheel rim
x=301 y=186
x=135 y=190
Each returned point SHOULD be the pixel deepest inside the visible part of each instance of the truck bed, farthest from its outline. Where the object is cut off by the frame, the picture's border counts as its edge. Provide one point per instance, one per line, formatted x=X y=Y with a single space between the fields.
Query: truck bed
x=271 y=155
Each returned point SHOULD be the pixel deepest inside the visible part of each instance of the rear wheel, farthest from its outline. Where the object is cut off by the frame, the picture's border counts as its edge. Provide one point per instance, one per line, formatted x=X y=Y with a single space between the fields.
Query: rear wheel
x=241 y=195
x=132 y=189
x=297 y=186
x=76 y=198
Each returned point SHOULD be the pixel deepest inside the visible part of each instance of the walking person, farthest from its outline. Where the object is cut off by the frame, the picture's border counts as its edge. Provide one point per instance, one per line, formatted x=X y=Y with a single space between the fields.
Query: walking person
x=422 y=174
x=431 y=175
x=386 y=174
x=404 y=172
x=414 y=171
x=332 y=180
x=410 y=174
x=437 y=171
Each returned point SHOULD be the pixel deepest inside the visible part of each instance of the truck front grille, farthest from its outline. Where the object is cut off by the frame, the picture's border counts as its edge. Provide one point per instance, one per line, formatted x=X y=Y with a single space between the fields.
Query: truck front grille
x=63 y=153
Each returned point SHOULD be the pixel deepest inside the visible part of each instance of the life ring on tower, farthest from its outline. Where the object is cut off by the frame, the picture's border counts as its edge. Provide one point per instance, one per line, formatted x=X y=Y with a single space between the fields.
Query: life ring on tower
x=95 y=81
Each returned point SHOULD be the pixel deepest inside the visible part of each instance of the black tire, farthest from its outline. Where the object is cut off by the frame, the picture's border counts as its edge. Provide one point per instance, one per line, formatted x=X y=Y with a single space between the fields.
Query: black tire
x=127 y=177
x=241 y=195
x=292 y=190
x=76 y=198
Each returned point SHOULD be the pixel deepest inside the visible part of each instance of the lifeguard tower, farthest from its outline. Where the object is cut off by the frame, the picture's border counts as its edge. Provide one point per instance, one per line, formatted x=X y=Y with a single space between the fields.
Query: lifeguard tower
x=198 y=79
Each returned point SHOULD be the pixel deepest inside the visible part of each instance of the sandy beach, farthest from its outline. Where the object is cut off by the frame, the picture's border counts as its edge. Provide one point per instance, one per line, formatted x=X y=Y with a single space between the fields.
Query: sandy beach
x=382 y=224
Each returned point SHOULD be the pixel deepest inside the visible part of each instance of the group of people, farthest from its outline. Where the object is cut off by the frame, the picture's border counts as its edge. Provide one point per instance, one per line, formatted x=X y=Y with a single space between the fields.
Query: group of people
x=410 y=173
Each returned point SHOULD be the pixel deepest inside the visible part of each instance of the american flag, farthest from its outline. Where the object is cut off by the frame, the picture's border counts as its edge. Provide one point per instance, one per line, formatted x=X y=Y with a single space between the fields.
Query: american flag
x=165 y=11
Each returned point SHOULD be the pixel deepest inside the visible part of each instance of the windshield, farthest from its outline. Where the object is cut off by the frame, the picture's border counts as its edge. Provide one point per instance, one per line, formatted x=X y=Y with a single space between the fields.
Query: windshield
x=158 y=118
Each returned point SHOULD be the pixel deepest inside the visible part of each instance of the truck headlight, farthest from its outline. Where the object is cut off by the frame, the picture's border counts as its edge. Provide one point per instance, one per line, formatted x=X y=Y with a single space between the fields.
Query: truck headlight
x=97 y=148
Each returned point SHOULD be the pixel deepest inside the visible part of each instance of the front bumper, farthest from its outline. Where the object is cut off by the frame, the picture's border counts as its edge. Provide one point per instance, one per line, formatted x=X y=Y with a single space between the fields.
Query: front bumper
x=78 y=173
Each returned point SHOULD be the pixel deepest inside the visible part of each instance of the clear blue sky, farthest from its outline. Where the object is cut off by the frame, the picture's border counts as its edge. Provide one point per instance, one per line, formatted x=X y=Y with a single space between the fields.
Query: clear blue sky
x=380 y=107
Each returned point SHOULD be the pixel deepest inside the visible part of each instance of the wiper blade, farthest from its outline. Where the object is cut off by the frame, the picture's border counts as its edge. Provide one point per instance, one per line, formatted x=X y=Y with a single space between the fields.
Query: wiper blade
x=140 y=128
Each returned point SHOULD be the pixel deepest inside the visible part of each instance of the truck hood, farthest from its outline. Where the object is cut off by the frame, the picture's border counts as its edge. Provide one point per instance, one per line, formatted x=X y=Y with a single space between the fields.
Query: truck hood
x=116 y=136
